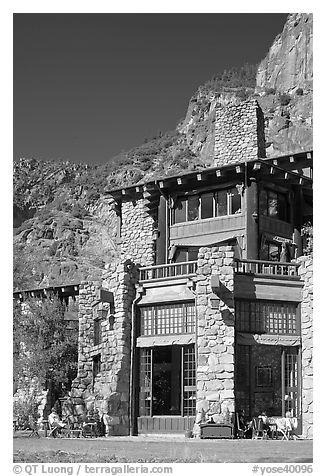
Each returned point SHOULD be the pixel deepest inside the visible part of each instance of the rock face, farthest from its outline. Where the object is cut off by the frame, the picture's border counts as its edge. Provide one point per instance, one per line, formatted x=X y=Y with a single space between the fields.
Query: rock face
x=284 y=85
x=66 y=229
x=288 y=65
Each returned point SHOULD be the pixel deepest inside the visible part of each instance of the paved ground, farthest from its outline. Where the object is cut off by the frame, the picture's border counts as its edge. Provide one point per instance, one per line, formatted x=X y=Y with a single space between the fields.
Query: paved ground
x=163 y=449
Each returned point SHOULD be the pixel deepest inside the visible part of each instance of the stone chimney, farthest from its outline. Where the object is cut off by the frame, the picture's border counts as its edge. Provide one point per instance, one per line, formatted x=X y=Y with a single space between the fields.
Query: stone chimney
x=239 y=133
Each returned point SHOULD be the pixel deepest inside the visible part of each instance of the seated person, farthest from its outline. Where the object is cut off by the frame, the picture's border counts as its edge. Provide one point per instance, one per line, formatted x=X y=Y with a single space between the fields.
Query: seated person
x=54 y=420
x=264 y=418
x=89 y=423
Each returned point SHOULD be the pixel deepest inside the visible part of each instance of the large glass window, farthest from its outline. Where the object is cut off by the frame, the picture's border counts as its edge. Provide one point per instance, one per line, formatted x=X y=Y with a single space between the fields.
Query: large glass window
x=266 y=317
x=271 y=251
x=167 y=381
x=221 y=203
x=186 y=254
x=273 y=204
x=207 y=205
x=168 y=319
x=180 y=212
x=193 y=208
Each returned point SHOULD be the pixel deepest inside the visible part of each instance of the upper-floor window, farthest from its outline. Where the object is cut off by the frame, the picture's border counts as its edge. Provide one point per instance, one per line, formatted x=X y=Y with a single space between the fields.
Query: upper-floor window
x=176 y=318
x=273 y=204
x=186 y=254
x=207 y=205
x=266 y=317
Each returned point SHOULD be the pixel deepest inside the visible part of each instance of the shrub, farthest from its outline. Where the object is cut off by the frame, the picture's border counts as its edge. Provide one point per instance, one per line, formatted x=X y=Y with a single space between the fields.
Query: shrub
x=270 y=91
x=285 y=99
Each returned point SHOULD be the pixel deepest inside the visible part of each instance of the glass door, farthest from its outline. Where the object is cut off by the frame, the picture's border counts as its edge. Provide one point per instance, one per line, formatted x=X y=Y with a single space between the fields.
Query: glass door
x=291 y=380
x=167 y=381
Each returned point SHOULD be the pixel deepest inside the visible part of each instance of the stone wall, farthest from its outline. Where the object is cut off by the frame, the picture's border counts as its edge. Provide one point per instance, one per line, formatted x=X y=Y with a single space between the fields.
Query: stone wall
x=239 y=133
x=137 y=228
x=305 y=272
x=108 y=391
x=215 y=334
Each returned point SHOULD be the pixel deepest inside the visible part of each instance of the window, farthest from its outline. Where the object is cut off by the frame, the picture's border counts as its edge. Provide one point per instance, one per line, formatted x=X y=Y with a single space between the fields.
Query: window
x=189 y=381
x=271 y=251
x=186 y=254
x=167 y=381
x=273 y=204
x=97 y=331
x=266 y=317
x=180 y=214
x=193 y=208
x=96 y=365
x=264 y=376
x=207 y=205
x=168 y=319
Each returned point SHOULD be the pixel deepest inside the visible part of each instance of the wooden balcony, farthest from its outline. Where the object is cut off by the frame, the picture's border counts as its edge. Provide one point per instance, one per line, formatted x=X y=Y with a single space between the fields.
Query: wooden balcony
x=266 y=268
x=168 y=271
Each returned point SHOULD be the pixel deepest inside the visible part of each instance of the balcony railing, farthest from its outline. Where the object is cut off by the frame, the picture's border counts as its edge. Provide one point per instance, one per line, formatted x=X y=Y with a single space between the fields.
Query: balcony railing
x=166 y=271
x=275 y=268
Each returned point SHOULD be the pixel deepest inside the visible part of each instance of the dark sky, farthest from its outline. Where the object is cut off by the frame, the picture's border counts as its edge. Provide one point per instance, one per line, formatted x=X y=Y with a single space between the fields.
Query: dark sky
x=87 y=86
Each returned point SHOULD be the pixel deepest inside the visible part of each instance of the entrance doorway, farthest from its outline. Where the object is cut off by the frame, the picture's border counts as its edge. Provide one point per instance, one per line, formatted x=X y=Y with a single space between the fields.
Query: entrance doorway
x=167 y=386
x=268 y=379
x=167 y=381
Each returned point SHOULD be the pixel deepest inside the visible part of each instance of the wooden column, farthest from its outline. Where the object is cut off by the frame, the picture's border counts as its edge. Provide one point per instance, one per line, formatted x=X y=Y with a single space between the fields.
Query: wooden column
x=161 y=246
x=252 y=216
x=297 y=207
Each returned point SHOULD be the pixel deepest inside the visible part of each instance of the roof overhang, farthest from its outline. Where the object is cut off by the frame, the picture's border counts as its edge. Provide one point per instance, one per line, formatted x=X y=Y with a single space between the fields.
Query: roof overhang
x=276 y=170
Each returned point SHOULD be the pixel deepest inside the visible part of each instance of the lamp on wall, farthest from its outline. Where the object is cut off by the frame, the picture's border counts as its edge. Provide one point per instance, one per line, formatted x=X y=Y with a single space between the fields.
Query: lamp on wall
x=155 y=234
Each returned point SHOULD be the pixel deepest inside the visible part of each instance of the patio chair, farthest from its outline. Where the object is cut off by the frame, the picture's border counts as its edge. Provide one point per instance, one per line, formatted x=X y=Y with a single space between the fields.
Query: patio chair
x=32 y=425
x=239 y=431
x=258 y=431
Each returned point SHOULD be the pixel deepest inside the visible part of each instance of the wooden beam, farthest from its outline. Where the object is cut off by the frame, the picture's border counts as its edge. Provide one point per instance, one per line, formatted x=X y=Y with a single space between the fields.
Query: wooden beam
x=286 y=175
x=272 y=170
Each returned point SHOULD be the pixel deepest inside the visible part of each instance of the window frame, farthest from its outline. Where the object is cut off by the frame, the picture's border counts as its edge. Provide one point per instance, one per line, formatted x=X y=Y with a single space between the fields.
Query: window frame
x=261 y=319
x=229 y=194
x=264 y=208
x=168 y=319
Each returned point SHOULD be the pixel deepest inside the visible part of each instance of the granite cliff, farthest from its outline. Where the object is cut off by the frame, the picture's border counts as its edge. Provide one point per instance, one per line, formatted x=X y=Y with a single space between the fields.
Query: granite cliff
x=65 y=227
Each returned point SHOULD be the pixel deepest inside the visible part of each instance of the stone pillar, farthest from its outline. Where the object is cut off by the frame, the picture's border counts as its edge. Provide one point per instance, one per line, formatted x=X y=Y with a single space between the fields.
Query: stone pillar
x=305 y=272
x=215 y=335
x=137 y=243
x=239 y=133
x=108 y=391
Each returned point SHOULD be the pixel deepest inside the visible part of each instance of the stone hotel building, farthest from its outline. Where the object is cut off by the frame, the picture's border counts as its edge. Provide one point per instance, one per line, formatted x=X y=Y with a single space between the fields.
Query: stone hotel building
x=209 y=310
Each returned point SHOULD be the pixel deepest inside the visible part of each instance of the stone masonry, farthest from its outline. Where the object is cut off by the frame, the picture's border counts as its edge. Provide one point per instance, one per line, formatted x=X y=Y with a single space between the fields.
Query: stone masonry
x=239 y=133
x=137 y=233
x=305 y=272
x=215 y=334
x=108 y=391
